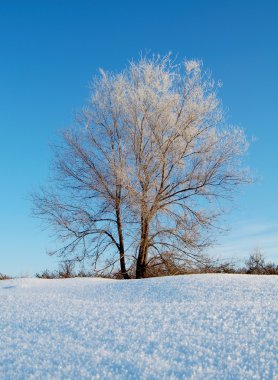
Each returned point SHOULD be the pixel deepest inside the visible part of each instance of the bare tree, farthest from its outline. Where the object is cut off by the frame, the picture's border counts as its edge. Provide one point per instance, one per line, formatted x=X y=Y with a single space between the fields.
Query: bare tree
x=139 y=177
x=256 y=262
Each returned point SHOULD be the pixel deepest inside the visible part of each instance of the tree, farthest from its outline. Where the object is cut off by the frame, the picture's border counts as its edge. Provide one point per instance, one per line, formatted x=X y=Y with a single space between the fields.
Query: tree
x=256 y=262
x=139 y=177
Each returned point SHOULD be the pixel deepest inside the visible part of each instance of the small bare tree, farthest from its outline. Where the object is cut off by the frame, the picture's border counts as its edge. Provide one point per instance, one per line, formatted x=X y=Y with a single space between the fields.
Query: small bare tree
x=137 y=178
x=255 y=262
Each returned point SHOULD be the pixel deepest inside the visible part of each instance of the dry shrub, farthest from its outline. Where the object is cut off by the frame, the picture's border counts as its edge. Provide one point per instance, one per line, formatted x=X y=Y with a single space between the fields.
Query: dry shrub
x=4 y=277
x=256 y=264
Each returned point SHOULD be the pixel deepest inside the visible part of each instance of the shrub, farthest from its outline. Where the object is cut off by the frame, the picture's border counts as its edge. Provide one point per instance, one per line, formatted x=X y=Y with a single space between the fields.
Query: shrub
x=65 y=270
x=256 y=264
x=4 y=277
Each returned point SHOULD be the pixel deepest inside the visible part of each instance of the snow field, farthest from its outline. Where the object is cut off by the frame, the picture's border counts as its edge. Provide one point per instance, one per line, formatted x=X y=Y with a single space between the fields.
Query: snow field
x=186 y=327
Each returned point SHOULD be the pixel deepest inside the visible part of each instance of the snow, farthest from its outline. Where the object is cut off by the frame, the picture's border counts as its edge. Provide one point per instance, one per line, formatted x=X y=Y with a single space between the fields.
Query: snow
x=186 y=327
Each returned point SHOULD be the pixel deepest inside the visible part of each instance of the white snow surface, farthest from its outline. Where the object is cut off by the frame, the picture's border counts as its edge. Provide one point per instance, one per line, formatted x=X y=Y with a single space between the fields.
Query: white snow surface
x=186 y=327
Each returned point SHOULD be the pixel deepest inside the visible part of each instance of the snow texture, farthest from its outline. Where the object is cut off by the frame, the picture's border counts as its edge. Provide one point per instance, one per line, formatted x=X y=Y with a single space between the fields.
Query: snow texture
x=184 y=327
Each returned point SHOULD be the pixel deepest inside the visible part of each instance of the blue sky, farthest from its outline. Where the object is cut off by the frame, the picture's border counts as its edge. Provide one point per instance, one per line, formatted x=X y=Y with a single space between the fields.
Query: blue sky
x=51 y=49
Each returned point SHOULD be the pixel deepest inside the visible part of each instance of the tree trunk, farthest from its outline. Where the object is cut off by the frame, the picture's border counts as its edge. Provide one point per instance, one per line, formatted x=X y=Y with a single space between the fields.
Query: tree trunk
x=121 y=244
x=123 y=267
x=141 y=264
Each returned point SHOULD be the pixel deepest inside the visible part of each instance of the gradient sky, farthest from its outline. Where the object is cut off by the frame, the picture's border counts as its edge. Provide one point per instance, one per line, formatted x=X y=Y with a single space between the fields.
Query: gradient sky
x=51 y=49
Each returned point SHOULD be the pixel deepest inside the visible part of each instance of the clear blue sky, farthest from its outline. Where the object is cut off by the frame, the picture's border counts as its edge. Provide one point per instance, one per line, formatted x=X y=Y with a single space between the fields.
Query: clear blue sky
x=50 y=50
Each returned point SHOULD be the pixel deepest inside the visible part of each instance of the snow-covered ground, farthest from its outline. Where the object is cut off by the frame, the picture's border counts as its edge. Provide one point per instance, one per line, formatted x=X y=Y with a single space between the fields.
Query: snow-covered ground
x=195 y=327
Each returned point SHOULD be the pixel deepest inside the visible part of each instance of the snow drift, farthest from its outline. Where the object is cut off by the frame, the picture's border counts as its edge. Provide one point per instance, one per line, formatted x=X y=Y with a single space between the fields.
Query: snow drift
x=191 y=327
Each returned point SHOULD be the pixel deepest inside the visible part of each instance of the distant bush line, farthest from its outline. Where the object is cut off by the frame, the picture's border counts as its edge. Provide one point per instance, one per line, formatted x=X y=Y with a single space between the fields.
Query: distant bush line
x=4 y=277
x=255 y=264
